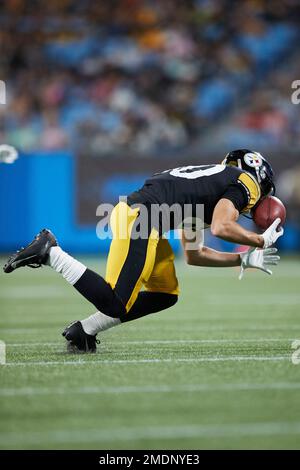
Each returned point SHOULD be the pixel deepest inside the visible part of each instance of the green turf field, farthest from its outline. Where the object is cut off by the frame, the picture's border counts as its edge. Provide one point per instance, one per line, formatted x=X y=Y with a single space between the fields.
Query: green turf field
x=213 y=372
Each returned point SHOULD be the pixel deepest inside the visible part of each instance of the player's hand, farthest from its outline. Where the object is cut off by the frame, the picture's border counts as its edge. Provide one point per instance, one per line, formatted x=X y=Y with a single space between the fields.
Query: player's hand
x=259 y=259
x=271 y=235
x=8 y=154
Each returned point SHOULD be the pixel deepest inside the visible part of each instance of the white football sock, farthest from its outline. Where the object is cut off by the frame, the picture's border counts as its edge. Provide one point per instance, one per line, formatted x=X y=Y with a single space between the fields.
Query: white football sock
x=98 y=322
x=69 y=267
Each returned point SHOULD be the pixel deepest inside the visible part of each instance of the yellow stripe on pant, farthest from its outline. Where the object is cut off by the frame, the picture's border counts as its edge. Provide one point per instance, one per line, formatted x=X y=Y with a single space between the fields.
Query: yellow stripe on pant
x=130 y=260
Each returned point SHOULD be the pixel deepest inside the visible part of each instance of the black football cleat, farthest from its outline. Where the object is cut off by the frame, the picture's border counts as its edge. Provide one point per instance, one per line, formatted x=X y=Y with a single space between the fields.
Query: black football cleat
x=79 y=340
x=33 y=255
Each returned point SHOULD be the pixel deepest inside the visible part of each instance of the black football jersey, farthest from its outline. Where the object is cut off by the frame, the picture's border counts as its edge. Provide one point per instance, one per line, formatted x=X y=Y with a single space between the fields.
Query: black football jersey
x=203 y=184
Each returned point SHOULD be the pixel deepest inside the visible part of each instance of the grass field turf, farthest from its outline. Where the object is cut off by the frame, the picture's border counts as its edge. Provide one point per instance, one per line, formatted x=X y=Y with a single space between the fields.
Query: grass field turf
x=215 y=371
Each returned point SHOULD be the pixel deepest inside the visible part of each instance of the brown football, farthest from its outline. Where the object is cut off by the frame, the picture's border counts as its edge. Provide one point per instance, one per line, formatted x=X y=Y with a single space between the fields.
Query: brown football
x=266 y=211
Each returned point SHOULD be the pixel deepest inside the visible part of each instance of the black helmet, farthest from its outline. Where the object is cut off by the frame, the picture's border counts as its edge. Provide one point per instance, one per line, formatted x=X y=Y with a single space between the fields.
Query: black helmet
x=256 y=164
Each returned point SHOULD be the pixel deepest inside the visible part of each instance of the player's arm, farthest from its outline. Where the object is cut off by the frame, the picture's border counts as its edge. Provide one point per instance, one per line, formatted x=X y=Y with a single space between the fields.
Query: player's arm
x=240 y=197
x=224 y=225
x=204 y=256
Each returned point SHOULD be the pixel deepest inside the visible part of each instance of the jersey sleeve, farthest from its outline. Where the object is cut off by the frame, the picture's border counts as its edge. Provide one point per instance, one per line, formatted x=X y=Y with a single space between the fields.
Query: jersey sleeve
x=244 y=194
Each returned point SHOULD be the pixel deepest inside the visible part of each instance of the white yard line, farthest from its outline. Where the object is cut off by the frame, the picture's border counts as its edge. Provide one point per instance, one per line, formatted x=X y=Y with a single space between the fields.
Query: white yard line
x=171 y=341
x=171 y=327
x=202 y=341
x=151 y=361
x=189 y=388
x=211 y=328
x=2 y=353
x=140 y=433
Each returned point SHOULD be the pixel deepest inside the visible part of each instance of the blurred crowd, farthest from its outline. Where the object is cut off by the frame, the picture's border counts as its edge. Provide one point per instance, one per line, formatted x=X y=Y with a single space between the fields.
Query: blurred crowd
x=268 y=119
x=141 y=77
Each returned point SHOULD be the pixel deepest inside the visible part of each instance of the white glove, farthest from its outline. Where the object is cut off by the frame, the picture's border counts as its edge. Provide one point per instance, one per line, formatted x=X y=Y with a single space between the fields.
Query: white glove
x=259 y=259
x=271 y=234
x=8 y=154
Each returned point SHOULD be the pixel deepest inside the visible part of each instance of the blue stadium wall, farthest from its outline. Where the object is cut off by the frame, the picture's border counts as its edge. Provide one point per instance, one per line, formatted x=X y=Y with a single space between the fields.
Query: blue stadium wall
x=40 y=190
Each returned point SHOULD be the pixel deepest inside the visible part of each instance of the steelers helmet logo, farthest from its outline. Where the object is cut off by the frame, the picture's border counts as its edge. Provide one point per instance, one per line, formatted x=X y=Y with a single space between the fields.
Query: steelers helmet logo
x=253 y=159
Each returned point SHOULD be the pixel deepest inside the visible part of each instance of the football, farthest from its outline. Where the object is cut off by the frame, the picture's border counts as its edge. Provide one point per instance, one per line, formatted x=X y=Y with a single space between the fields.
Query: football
x=269 y=209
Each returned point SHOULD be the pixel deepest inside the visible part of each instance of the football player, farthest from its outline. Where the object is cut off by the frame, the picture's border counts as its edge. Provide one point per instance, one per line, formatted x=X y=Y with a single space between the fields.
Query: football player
x=225 y=190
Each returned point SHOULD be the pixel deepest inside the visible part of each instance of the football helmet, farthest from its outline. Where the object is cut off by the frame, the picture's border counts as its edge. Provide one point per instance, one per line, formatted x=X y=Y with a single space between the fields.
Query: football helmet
x=255 y=164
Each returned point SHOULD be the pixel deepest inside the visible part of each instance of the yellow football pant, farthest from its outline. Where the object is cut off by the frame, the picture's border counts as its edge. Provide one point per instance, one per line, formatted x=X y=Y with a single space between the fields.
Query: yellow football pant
x=134 y=263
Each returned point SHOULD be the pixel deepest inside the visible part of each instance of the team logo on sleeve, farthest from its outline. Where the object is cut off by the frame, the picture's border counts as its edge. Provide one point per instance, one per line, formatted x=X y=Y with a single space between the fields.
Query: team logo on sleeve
x=253 y=159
